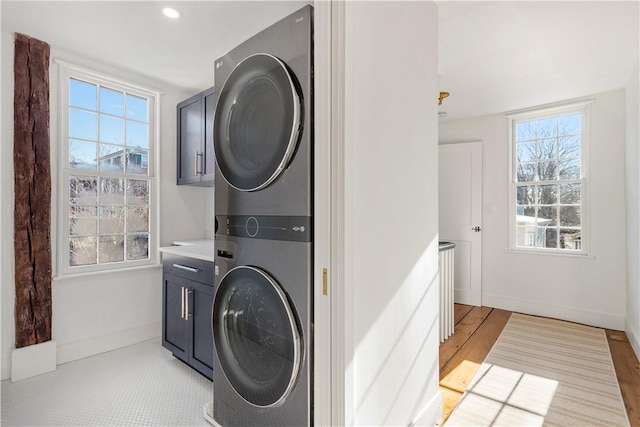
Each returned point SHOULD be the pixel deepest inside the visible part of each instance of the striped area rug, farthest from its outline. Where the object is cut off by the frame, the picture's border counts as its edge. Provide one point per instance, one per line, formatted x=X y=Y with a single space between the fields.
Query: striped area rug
x=544 y=372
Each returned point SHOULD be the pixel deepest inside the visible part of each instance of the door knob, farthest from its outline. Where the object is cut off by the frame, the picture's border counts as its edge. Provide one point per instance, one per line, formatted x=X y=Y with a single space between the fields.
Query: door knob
x=476 y=229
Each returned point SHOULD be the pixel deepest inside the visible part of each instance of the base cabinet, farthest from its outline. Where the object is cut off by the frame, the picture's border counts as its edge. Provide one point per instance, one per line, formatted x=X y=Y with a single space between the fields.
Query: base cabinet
x=186 y=320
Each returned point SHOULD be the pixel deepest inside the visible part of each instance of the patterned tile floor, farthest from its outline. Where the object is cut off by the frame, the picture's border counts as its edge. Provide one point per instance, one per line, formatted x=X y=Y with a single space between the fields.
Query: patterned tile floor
x=138 y=385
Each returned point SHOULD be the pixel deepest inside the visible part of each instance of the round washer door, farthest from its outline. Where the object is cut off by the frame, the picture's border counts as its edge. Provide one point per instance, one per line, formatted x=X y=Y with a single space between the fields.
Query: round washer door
x=257 y=122
x=256 y=336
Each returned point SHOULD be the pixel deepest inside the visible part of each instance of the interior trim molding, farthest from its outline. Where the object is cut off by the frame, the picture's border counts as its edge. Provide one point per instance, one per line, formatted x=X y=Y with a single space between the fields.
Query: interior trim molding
x=100 y=344
x=571 y=314
x=326 y=395
x=634 y=337
x=32 y=360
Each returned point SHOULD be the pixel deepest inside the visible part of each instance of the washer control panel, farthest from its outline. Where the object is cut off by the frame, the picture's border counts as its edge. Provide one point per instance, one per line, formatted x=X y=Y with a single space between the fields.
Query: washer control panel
x=270 y=227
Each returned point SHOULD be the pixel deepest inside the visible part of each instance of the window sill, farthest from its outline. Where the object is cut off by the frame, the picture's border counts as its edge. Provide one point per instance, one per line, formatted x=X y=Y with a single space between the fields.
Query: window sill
x=546 y=253
x=67 y=276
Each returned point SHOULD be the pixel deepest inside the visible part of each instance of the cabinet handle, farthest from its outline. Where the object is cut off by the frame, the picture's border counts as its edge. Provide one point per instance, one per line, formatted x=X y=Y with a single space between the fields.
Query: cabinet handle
x=182 y=304
x=184 y=267
x=198 y=163
x=186 y=305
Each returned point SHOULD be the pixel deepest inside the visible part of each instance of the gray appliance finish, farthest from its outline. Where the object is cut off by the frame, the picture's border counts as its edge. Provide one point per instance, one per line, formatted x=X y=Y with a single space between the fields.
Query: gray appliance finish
x=262 y=315
x=263 y=125
x=262 y=331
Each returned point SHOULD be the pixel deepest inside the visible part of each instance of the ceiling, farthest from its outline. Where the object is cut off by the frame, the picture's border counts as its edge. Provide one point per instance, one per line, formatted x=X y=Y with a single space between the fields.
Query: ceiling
x=493 y=56
x=135 y=35
x=501 y=56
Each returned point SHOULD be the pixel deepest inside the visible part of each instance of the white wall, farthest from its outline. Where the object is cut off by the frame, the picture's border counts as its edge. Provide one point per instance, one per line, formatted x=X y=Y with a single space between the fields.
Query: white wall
x=391 y=213
x=100 y=312
x=632 y=181
x=589 y=290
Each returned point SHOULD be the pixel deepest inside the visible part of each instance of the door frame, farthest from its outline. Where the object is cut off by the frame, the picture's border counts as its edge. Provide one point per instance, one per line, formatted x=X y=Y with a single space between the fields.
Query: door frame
x=331 y=339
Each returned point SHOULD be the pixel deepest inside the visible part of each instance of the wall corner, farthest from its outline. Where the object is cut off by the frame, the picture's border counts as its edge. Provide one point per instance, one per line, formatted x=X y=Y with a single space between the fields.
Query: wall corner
x=634 y=338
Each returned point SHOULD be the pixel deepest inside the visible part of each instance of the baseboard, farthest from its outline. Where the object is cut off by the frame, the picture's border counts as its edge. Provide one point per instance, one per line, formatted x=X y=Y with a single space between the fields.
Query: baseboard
x=6 y=368
x=592 y=318
x=431 y=413
x=96 y=345
x=634 y=338
x=32 y=360
x=207 y=413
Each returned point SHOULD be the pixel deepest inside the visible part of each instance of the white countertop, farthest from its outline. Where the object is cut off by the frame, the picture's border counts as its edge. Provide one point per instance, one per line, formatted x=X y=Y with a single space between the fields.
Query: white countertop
x=199 y=249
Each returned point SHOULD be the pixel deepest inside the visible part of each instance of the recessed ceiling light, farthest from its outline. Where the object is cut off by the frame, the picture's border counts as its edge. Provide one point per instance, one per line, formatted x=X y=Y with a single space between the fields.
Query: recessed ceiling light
x=171 y=13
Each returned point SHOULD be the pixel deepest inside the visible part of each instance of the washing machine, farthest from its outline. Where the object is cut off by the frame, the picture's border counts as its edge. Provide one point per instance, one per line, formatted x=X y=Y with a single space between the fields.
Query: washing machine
x=263 y=122
x=262 y=316
x=262 y=328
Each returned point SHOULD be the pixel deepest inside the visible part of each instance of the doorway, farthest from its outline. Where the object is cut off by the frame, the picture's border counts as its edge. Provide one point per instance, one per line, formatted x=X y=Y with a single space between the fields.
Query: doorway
x=460 y=215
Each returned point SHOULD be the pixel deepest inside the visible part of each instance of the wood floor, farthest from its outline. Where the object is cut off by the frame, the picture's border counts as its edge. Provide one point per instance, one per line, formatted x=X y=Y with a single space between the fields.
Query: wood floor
x=478 y=328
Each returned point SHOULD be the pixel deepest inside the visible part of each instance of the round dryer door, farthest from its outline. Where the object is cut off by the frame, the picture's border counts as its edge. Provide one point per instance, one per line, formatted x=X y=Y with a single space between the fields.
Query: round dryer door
x=257 y=122
x=256 y=336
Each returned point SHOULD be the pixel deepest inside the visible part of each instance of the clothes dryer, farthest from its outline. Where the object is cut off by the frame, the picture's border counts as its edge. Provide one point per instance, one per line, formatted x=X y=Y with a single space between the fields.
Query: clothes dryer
x=262 y=315
x=263 y=123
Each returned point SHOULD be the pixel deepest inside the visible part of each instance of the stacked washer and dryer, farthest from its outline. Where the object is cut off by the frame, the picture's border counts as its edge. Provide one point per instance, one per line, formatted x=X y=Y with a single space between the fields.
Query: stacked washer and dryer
x=263 y=306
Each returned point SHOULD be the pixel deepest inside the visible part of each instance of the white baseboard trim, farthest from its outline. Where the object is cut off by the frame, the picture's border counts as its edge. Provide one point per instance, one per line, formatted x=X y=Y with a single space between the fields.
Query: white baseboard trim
x=6 y=368
x=593 y=318
x=431 y=413
x=27 y=362
x=634 y=337
x=96 y=345
x=207 y=413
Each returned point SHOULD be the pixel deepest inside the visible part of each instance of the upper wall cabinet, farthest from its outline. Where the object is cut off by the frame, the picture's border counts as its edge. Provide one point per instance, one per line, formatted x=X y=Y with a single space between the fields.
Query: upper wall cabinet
x=196 y=161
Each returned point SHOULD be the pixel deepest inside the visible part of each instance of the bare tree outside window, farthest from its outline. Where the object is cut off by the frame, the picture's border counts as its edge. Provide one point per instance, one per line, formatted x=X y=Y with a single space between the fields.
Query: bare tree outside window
x=548 y=182
x=109 y=183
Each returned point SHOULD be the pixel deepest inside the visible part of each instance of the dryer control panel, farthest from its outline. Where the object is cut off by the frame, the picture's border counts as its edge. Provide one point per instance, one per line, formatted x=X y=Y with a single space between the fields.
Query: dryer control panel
x=270 y=227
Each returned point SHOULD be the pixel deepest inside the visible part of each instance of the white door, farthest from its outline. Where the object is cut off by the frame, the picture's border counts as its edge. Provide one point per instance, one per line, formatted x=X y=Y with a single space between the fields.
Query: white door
x=460 y=215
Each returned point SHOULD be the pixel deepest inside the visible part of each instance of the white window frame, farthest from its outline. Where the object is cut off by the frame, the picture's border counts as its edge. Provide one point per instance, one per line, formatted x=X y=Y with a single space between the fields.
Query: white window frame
x=584 y=108
x=67 y=71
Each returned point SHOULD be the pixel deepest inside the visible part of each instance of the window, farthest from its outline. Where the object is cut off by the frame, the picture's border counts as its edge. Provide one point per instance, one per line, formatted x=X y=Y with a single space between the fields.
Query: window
x=107 y=183
x=548 y=180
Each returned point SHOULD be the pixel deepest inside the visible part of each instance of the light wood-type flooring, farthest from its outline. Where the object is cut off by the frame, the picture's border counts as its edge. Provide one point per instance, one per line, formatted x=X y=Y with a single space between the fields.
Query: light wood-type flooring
x=478 y=328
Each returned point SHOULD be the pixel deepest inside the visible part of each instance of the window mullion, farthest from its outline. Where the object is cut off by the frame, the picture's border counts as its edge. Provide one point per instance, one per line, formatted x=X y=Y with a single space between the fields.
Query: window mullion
x=110 y=186
x=99 y=227
x=549 y=141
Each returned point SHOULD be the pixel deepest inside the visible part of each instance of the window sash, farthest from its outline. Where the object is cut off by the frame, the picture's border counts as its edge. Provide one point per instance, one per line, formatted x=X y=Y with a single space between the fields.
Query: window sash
x=581 y=181
x=66 y=72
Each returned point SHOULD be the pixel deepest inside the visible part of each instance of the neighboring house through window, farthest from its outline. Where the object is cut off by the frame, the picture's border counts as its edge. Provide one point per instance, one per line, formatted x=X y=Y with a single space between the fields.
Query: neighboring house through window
x=107 y=181
x=548 y=190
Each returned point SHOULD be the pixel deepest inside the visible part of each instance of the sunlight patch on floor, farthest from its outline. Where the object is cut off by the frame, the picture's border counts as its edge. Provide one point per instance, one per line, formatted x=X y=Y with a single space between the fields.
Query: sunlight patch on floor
x=502 y=396
x=458 y=379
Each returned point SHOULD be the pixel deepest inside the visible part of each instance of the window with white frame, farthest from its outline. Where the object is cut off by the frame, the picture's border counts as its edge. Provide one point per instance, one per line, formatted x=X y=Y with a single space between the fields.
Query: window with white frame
x=107 y=182
x=548 y=180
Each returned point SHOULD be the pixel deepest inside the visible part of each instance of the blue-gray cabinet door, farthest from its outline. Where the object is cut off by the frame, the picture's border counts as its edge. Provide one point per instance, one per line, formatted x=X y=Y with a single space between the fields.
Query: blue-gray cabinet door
x=189 y=142
x=175 y=330
x=200 y=301
x=209 y=160
x=186 y=322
